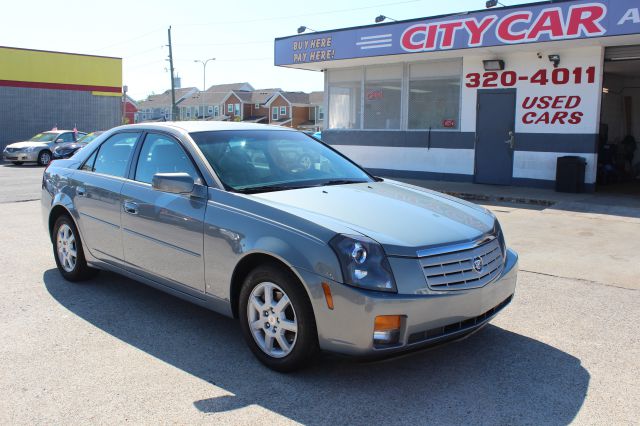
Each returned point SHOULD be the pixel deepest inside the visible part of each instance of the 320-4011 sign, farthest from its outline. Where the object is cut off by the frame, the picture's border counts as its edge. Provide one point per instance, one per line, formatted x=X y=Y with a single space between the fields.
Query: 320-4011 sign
x=557 y=76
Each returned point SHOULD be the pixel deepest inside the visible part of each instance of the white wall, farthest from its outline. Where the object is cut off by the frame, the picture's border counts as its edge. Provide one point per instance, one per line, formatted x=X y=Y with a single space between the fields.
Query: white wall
x=434 y=160
x=542 y=165
x=527 y=64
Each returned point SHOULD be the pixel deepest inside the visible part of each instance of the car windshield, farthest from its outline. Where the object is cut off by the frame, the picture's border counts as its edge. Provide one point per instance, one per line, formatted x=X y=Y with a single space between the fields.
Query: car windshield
x=44 y=137
x=89 y=137
x=252 y=161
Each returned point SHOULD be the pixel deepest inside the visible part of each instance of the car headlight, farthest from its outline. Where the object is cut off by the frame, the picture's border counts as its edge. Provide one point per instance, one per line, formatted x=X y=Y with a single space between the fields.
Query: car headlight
x=363 y=262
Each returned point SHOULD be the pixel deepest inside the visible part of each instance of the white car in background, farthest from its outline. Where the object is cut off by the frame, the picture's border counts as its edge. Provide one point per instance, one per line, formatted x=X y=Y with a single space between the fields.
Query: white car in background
x=38 y=149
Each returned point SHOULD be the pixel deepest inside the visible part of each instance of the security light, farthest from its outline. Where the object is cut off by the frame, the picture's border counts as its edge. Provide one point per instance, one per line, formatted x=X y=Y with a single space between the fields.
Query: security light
x=493 y=65
x=382 y=18
x=493 y=3
x=303 y=29
x=555 y=59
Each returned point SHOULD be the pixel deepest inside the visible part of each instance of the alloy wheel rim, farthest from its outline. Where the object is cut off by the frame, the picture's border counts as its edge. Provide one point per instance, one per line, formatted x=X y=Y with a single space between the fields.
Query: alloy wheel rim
x=45 y=158
x=272 y=320
x=66 y=248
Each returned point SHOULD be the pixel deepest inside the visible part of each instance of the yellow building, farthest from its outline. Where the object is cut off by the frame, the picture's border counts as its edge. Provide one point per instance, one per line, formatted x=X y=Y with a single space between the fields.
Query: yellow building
x=40 y=90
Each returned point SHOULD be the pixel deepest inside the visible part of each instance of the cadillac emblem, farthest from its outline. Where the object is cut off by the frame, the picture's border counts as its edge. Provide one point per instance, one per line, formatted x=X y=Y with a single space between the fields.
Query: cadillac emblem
x=478 y=264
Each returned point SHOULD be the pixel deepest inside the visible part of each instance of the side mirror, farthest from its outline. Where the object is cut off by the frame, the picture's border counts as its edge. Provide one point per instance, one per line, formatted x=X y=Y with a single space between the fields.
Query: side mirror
x=174 y=183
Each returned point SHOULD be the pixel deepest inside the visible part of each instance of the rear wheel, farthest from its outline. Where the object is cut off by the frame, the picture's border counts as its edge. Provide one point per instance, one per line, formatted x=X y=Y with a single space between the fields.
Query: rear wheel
x=277 y=319
x=44 y=158
x=67 y=250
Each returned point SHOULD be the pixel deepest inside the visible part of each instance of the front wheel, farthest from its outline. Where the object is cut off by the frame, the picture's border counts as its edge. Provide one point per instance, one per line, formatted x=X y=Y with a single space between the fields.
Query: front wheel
x=277 y=319
x=44 y=158
x=67 y=250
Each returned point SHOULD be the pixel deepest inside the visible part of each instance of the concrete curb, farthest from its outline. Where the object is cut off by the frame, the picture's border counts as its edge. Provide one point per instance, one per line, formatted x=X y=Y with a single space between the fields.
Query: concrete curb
x=505 y=199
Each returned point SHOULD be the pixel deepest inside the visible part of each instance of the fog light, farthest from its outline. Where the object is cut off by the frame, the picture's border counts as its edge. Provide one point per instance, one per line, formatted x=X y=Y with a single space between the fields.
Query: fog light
x=386 y=330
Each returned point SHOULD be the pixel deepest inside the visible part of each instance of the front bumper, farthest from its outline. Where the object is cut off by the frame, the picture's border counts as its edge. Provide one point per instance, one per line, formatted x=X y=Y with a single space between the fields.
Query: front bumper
x=20 y=156
x=427 y=318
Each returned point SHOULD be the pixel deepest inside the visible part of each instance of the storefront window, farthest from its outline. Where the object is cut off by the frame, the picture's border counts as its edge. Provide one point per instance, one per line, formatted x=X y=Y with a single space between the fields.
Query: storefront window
x=434 y=95
x=345 y=99
x=382 y=97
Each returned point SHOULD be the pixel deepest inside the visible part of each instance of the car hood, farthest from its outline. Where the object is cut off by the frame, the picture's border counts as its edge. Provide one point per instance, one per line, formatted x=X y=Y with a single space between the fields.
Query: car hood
x=27 y=144
x=401 y=217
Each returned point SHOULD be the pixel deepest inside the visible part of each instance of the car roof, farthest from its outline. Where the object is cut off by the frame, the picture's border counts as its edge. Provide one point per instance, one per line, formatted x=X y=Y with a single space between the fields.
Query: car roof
x=58 y=131
x=208 y=126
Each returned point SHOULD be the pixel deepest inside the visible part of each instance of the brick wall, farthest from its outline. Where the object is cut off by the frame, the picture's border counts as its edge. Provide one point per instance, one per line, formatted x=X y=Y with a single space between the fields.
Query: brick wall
x=233 y=99
x=300 y=115
x=280 y=102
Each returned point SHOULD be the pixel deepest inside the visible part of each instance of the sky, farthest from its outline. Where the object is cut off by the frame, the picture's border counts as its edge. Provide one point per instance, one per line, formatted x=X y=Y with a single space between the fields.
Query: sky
x=239 y=34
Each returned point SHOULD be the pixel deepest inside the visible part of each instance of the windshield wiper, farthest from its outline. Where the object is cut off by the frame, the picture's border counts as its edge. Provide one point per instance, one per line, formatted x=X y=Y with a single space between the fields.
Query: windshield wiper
x=342 y=182
x=269 y=188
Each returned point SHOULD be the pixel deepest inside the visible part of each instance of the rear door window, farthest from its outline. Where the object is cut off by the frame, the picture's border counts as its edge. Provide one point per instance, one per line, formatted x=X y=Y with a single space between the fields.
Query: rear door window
x=65 y=137
x=114 y=154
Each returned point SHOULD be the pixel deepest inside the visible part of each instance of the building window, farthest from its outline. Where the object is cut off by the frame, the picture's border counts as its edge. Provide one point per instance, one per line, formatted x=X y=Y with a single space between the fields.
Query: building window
x=345 y=98
x=283 y=110
x=274 y=113
x=237 y=111
x=216 y=111
x=210 y=109
x=382 y=97
x=230 y=108
x=434 y=95
x=188 y=112
x=257 y=106
x=320 y=112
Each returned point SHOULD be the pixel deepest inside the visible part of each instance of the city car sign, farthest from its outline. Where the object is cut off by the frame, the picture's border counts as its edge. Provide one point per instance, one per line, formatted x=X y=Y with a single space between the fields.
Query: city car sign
x=527 y=24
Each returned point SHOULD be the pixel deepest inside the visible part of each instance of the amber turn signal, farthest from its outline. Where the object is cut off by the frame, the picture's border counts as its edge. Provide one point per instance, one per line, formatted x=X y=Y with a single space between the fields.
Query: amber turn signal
x=387 y=322
x=327 y=295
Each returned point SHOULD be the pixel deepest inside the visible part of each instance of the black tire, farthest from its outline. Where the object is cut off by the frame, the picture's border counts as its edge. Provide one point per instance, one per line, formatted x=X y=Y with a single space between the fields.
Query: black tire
x=305 y=347
x=81 y=271
x=43 y=156
x=17 y=163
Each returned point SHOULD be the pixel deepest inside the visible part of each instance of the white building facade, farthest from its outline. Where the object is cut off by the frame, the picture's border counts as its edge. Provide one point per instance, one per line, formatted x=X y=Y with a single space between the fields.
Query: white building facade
x=493 y=96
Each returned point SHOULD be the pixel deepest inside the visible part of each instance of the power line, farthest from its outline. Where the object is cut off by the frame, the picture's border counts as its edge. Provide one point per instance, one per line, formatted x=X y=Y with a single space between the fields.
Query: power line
x=127 y=40
x=302 y=15
x=240 y=43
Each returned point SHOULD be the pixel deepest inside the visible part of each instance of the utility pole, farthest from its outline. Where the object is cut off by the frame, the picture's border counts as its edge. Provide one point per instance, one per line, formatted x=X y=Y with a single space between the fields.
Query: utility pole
x=124 y=104
x=173 y=89
x=204 y=82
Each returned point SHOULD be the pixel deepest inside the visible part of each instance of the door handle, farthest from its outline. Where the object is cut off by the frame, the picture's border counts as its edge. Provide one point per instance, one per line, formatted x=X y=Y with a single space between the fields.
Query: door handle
x=81 y=191
x=130 y=207
x=512 y=139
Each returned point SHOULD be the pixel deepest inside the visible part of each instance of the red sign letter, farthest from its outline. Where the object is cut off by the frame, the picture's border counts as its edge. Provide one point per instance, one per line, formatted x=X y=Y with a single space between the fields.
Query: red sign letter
x=448 y=33
x=506 y=34
x=476 y=31
x=586 y=19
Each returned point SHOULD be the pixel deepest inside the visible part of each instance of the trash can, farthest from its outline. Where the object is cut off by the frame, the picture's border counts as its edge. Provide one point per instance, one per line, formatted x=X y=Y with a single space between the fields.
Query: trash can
x=570 y=172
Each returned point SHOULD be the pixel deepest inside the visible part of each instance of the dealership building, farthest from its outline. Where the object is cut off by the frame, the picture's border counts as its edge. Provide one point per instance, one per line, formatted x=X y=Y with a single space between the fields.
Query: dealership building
x=492 y=96
x=40 y=90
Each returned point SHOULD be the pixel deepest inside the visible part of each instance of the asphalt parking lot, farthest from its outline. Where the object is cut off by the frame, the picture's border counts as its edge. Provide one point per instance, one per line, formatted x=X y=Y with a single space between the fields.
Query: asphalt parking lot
x=113 y=351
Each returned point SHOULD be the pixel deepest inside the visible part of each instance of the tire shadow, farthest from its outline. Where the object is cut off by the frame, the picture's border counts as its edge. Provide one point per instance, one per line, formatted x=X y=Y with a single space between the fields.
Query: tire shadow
x=495 y=376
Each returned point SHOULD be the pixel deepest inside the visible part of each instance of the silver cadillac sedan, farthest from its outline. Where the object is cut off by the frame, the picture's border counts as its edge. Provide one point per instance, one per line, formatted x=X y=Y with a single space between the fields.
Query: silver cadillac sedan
x=271 y=226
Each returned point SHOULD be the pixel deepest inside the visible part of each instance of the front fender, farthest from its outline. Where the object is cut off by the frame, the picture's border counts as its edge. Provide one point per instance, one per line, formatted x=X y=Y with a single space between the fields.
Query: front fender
x=233 y=231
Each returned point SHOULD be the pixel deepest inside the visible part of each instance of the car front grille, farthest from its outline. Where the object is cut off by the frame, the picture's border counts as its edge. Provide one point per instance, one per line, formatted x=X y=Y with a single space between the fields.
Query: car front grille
x=462 y=267
x=458 y=327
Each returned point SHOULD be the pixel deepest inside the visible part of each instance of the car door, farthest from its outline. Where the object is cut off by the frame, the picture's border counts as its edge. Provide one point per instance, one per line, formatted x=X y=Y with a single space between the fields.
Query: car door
x=97 y=195
x=163 y=233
